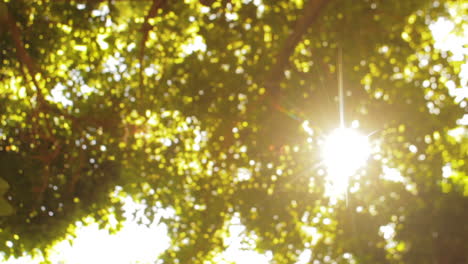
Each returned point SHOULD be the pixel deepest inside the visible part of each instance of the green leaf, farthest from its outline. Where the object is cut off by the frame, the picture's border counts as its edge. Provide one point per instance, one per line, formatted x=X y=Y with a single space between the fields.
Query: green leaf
x=5 y=208
x=3 y=186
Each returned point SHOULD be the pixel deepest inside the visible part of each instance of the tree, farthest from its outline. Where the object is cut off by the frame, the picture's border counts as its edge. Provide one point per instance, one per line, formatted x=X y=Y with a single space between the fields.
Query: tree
x=172 y=99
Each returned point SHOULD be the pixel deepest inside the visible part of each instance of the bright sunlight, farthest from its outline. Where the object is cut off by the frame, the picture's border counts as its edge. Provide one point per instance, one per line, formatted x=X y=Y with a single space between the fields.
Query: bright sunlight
x=344 y=152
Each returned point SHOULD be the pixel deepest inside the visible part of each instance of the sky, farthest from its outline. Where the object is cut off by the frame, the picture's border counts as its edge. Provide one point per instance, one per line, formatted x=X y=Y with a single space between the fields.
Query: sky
x=136 y=243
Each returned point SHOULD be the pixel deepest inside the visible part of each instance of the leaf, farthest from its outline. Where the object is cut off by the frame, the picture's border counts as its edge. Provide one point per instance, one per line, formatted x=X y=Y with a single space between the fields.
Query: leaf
x=3 y=186
x=5 y=208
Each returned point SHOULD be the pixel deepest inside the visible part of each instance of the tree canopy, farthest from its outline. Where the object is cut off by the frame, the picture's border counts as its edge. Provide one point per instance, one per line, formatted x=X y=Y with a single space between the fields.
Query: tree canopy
x=216 y=108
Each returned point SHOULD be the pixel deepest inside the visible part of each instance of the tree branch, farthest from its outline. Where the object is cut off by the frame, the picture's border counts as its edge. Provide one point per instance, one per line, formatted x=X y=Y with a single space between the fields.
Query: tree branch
x=47 y=158
x=276 y=74
x=22 y=54
x=76 y=172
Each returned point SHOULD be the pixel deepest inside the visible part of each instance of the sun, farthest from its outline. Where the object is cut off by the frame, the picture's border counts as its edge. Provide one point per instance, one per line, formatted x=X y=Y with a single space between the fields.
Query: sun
x=345 y=151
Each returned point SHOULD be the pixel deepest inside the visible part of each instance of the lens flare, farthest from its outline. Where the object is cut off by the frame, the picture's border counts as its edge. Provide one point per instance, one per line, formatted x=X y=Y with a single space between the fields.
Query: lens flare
x=345 y=151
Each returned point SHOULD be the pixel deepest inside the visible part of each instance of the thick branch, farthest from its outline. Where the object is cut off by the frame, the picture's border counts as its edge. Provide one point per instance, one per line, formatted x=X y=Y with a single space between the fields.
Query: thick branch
x=22 y=53
x=145 y=29
x=47 y=158
x=276 y=74
x=207 y=2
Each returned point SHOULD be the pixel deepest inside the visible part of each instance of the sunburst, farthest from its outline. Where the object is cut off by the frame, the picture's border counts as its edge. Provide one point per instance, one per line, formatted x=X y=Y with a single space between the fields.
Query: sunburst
x=344 y=152
x=345 y=149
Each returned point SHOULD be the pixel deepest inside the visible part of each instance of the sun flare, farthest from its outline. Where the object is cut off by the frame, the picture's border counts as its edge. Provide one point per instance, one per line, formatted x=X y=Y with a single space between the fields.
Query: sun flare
x=345 y=151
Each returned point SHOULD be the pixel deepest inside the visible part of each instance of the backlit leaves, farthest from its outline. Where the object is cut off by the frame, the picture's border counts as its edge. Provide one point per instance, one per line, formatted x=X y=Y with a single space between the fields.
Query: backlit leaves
x=183 y=120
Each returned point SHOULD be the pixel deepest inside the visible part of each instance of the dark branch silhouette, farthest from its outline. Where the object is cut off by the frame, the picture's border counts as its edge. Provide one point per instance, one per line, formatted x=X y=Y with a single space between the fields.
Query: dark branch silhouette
x=276 y=74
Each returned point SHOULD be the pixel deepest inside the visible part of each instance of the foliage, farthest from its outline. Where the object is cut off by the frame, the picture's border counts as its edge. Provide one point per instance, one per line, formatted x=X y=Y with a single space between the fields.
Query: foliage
x=171 y=99
x=5 y=207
